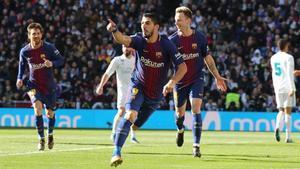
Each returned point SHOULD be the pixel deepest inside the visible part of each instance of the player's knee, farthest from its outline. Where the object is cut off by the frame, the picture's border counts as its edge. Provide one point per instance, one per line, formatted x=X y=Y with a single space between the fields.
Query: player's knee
x=38 y=108
x=50 y=113
x=196 y=110
x=121 y=111
x=180 y=112
x=131 y=115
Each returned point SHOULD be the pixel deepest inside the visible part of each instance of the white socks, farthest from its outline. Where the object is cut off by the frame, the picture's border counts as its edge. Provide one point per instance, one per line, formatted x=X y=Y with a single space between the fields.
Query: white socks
x=279 y=119
x=132 y=133
x=116 y=122
x=288 y=126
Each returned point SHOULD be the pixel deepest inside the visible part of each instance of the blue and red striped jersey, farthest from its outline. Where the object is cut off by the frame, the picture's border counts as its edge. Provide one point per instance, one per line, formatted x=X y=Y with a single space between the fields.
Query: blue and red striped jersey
x=153 y=63
x=40 y=77
x=193 y=49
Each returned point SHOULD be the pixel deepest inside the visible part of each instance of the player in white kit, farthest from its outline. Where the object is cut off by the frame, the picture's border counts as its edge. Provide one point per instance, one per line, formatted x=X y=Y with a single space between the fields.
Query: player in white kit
x=123 y=66
x=282 y=65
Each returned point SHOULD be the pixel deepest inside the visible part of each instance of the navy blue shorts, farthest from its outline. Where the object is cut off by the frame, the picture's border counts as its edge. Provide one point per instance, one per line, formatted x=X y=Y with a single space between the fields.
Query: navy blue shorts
x=144 y=105
x=49 y=100
x=194 y=90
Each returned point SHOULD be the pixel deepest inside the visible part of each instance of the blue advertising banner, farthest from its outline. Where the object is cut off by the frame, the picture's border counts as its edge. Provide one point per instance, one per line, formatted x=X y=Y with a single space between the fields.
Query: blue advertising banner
x=212 y=120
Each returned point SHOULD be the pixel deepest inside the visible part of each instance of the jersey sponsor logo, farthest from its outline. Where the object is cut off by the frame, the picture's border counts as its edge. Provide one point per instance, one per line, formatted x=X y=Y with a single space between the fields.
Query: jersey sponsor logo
x=190 y=56
x=38 y=66
x=146 y=51
x=149 y=63
x=180 y=47
x=194 y=45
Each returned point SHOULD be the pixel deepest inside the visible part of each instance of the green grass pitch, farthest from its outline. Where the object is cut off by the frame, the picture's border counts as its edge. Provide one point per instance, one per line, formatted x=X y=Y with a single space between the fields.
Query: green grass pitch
x=91 y=149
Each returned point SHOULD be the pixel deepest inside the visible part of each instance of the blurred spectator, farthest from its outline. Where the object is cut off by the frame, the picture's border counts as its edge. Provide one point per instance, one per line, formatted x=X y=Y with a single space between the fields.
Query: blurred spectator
x=241 y=36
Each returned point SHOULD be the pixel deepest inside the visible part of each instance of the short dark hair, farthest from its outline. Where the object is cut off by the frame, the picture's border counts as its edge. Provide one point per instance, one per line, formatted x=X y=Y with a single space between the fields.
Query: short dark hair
x=153 y=17
x=35 y=25
x=282 y=43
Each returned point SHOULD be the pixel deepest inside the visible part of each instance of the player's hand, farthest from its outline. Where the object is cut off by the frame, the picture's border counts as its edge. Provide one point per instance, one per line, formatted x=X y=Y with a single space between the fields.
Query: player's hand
x=19 y=83
x=297 y=72
x=168 y=87
x=221 y=83
x=99 y=90
x=291 y=93
x=48 y=63
x=111 y=26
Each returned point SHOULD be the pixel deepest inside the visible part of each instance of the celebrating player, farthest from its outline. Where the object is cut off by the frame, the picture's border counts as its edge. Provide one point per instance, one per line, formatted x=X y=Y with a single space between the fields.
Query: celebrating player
x=192 y=45
x=155 y=54
x=41 y=57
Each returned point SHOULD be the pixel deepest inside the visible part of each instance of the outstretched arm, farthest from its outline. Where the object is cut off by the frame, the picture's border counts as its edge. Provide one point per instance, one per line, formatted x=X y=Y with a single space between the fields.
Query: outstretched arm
x=220 y=81
x=118 y=36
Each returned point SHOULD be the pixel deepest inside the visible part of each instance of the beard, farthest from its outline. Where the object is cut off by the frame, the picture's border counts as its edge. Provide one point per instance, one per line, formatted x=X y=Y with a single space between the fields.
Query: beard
x=37 y=41
x=147 y=34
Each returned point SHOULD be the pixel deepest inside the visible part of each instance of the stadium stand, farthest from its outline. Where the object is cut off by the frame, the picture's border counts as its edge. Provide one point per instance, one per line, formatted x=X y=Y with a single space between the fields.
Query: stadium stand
x=241 y=36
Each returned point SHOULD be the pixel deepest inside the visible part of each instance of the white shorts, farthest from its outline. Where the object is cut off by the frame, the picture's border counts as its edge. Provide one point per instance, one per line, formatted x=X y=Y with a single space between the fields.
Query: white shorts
x=123 y=95
x=283 y=100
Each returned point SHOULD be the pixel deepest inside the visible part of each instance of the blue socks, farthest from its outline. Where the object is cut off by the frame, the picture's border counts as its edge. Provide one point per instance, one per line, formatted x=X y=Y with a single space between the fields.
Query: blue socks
x=197 y=128
x=121 y=135
x=179 y=122
x=40 y=126
x=51 y=123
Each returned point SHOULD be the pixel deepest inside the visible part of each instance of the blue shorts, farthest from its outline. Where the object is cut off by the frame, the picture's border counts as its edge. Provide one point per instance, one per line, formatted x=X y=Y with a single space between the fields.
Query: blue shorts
x=144 y=105
x=49 y=100
x=194 y=90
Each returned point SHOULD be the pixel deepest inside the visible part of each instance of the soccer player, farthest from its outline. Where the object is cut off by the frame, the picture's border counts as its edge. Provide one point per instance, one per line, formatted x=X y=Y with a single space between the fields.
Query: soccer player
x=282 y=65
x=192 y=45
x=41 y=57
x=123 y=66
x=155 y=55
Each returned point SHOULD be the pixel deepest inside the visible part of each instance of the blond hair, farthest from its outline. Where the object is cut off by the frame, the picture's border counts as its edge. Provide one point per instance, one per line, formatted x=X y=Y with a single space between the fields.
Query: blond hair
x=185 y=10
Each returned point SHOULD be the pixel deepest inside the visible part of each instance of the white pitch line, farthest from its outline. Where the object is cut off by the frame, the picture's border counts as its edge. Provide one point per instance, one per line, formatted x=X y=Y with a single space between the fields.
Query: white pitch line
x=54 y=151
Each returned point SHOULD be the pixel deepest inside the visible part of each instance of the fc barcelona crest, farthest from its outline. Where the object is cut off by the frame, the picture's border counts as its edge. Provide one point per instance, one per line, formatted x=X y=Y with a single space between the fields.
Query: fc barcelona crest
x=194 y=45
x=158 y=55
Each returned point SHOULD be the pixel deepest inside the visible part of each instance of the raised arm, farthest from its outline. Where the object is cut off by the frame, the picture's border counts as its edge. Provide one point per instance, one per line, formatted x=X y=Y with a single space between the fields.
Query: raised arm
x=220 y=81
x=118 y=36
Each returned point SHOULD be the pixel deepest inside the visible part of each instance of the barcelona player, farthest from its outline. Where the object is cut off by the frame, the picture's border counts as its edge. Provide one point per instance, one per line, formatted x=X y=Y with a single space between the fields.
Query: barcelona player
x=192 y=45
x=155 y=55
x=41 y=57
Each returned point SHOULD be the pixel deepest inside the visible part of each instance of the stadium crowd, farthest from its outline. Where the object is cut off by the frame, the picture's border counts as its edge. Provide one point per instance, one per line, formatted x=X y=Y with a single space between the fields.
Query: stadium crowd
x=241 y=36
